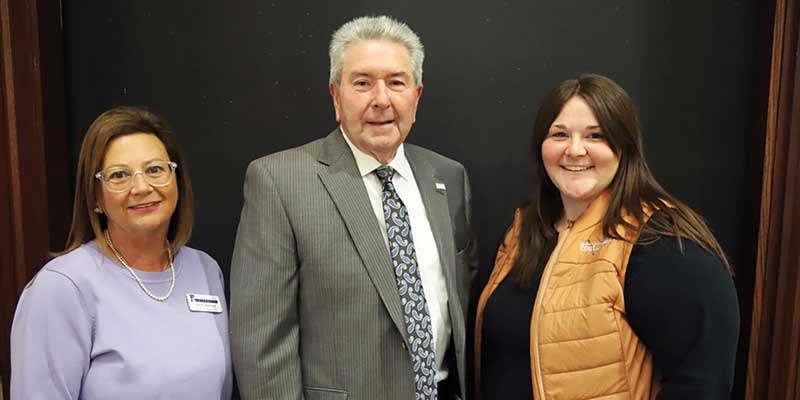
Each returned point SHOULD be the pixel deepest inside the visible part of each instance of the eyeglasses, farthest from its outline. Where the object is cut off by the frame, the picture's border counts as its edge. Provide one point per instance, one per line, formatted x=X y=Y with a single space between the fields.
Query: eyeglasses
x=156 y=173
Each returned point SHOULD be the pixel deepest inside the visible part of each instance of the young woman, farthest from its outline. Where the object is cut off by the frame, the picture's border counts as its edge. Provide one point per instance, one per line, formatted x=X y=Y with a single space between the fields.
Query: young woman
x=606 y=286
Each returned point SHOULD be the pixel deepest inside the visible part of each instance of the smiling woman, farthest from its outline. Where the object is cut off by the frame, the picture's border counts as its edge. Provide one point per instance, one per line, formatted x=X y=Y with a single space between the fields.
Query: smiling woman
x=576 y=305
x=138 y=210
x=100 y=320
x=577 y=157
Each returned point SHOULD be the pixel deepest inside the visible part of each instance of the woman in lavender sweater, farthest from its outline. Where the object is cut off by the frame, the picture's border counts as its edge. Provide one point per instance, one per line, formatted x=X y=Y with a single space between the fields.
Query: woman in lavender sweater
x=127 y=311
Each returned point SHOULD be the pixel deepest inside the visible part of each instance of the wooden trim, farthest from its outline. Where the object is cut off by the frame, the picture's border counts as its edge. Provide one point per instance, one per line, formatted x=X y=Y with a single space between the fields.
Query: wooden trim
x=33 y=131
x=7 y=292
x=775 y=333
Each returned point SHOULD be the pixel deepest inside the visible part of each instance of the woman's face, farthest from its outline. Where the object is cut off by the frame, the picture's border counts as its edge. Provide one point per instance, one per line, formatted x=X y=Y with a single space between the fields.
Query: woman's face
x=143 y=209
x=576 y=155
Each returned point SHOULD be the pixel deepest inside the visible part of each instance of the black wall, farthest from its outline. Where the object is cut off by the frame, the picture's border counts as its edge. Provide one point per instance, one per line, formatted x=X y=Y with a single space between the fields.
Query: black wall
x=242 y=79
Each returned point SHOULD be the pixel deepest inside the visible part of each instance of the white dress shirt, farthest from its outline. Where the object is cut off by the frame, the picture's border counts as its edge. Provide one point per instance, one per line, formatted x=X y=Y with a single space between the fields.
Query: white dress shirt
x=430 y=268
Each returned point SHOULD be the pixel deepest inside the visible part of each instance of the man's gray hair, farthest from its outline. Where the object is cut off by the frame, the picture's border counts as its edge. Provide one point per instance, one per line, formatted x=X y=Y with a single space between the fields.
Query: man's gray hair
x=375 y=28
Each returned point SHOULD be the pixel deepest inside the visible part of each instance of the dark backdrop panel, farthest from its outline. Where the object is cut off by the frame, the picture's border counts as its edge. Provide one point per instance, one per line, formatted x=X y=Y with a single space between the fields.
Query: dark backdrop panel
x=242 y=79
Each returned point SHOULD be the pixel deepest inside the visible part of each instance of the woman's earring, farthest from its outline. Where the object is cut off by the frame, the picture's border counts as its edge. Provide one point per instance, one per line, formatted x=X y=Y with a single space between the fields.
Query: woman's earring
x=98 y=210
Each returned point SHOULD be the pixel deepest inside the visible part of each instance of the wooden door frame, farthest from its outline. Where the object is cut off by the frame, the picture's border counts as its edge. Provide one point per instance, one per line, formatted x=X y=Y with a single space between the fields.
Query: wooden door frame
x=34 y=197
x=774 y=351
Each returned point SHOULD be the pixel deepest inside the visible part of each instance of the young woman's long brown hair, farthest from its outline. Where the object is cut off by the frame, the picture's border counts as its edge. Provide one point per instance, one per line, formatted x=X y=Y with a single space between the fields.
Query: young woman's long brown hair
x=632 y=188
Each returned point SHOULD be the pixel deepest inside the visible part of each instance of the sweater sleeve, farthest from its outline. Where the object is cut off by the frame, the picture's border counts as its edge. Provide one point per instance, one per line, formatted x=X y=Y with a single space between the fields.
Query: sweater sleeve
x=50 y=340
x=683 y=306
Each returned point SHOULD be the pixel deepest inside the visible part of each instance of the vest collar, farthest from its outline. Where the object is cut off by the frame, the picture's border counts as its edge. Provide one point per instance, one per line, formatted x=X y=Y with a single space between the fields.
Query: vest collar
x=593 y=215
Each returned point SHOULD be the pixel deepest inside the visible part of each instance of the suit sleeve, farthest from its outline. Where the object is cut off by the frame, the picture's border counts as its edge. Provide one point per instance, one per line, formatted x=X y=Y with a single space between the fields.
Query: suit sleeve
x=683 y=305
x=218 y=289
x=264 y=291
x=51 y=340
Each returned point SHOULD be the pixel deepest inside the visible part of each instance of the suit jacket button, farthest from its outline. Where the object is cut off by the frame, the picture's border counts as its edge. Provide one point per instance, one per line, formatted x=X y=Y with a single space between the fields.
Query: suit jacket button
x=404 y=345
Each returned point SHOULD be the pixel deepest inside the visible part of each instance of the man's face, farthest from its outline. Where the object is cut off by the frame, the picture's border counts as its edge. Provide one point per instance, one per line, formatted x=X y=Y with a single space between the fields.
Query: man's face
x=376 y=101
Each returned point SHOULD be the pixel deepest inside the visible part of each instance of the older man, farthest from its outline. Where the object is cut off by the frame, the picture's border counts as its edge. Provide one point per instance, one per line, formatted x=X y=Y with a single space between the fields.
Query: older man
x=354 y=252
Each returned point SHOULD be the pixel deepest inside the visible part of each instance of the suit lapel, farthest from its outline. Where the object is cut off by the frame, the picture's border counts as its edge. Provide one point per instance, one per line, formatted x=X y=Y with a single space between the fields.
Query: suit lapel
x=434 y=196
x=346 y=188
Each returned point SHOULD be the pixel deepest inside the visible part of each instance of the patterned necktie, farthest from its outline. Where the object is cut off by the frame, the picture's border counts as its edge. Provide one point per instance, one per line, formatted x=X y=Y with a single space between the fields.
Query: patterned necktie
x=412 y=296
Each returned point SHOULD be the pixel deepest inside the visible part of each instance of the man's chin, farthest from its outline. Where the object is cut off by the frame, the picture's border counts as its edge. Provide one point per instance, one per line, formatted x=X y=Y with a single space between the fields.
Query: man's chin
x=381 y=131
x=384 y=148
x=383 y=138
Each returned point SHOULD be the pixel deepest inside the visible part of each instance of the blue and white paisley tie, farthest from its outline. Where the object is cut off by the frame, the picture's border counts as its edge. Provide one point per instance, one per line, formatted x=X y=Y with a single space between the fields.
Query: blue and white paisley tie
x=412 y=296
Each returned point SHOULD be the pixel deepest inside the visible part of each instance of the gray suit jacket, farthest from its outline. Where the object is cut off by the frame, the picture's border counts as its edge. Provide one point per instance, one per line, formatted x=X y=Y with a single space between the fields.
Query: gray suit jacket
x=315 y=311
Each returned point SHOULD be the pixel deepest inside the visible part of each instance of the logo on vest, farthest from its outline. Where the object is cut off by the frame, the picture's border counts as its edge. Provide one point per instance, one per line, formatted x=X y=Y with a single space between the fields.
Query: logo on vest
x=591 y=246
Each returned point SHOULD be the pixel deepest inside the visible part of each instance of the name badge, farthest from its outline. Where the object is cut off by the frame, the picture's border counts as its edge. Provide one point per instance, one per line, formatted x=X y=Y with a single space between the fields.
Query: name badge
x=204 y=303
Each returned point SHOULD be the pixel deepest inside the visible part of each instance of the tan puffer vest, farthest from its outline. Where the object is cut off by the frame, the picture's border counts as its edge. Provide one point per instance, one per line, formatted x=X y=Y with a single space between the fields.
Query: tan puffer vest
x=581 y=344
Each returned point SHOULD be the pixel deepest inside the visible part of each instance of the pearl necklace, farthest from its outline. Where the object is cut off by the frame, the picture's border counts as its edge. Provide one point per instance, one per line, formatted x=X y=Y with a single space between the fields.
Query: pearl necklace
x=138 y=280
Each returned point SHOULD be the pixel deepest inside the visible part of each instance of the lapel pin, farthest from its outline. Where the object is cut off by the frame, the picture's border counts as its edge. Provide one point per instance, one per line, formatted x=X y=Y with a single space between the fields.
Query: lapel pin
x=440 y=187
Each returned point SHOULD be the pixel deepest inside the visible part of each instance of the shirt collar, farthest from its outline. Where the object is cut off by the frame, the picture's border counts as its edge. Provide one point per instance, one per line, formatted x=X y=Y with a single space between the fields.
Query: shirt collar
x=366 y=163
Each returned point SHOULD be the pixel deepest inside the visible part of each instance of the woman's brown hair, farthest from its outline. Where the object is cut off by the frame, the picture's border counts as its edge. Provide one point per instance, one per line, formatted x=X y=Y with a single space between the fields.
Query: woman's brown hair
x=632 y=190
x=120 y=121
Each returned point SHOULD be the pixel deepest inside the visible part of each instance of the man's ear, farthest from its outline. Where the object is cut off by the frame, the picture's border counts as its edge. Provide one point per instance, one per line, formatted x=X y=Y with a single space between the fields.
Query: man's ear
x=335 y=96
x=416 y=103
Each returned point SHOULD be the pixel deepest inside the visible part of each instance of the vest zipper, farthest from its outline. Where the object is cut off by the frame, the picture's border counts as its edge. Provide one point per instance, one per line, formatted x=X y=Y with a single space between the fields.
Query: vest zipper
x=537 y=309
